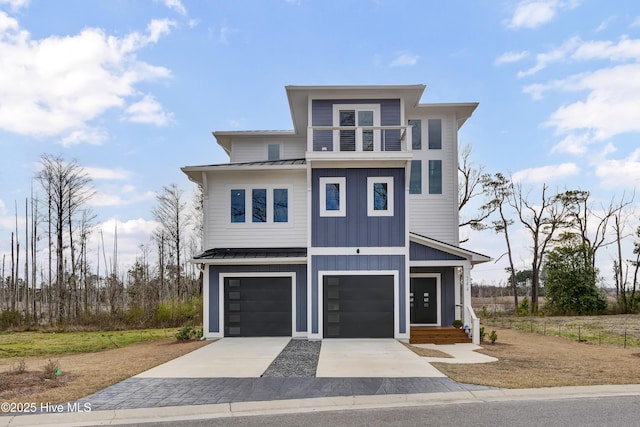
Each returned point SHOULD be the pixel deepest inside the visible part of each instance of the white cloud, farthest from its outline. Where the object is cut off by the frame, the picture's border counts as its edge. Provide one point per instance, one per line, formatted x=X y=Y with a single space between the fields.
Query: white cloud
x=15 y=5
x=611 y=108
x=84 y=136
x=546 y=174
x=97 y=173
x=509 y=57
x=555 y=55
x=119 y=195
x=176 y=5
x=625 y=49
x=54 y=86
x=149 y=111
x=533 y=14
x=131 y=234
x=575 y=144
x=620 y=173
x=404 y=59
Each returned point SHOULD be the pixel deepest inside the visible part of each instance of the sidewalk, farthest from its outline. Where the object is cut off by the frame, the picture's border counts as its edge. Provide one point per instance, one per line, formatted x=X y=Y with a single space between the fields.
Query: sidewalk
x=237 y=409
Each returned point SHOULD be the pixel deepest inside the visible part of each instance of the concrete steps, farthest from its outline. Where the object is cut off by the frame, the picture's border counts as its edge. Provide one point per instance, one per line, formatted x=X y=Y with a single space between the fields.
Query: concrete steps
x=437 y=335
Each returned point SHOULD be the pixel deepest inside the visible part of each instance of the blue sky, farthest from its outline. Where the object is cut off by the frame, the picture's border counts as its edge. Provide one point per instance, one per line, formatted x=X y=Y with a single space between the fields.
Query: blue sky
x=133 y=88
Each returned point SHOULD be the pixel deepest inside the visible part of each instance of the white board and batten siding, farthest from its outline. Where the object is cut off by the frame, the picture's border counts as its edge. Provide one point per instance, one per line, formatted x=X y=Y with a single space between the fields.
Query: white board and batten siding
x=436 y=215
x=220 y=232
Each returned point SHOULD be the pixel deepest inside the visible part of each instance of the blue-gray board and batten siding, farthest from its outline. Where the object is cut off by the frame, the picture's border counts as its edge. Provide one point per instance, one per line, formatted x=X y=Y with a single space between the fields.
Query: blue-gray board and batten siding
x=301 y=289
x=357 y=228
x=322 y=115
x=368 y=263
x=418 y=252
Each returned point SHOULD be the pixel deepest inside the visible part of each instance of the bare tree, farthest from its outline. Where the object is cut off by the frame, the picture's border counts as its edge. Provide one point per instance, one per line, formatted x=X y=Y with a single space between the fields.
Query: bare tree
x=471 y=183
x=542 y=220
x=581 y=216
x=498 y=190
x=171 y=215
x=68 y=188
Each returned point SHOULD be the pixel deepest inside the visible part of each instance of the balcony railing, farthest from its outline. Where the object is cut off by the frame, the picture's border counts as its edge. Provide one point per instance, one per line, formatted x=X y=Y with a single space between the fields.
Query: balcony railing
x=359 y=138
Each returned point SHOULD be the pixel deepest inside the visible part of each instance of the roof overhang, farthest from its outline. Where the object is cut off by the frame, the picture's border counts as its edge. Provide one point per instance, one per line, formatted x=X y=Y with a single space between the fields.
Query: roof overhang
x=195 y=172
x=461 y=110
x=224 y=138
x=299 y=97
x=471 y=256
x=251 y=256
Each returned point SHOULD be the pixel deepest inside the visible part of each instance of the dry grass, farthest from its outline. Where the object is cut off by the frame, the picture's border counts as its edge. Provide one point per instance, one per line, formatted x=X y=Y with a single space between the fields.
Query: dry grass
x=427 y=352
x=83 y=374
x=530 y=360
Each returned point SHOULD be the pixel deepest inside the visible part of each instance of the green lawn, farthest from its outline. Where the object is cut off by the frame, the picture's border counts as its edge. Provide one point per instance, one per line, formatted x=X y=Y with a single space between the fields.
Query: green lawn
x=28 y=344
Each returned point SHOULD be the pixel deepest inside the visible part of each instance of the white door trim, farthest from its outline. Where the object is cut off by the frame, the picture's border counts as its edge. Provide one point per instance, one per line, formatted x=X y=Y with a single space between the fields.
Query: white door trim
x=438 y=278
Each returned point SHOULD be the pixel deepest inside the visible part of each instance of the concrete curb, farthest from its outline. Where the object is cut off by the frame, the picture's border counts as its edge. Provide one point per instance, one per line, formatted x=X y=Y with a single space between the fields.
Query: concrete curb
x=237 y=409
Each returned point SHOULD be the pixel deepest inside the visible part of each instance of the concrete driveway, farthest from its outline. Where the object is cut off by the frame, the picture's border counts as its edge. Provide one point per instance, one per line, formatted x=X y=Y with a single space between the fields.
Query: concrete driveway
x=371 y=358
x=224 y=358
x=250 y=357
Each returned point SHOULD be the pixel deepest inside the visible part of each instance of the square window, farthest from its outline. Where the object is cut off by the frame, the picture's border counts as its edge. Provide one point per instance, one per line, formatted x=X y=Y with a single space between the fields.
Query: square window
x=237 y=205
x=273 y=151
x=380 y=196
x=333 y=196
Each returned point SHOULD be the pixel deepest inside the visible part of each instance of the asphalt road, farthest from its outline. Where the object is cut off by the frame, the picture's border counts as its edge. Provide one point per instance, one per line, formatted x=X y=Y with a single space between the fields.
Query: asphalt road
x=602 y=411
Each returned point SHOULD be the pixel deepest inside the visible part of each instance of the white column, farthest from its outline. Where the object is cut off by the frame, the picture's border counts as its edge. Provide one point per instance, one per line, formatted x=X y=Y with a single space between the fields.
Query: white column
x=457 y=291
x=466 y=292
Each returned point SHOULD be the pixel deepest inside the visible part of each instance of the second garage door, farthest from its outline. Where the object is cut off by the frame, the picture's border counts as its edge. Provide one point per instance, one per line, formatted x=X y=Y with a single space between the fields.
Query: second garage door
x=358 y=306
x=257 y=306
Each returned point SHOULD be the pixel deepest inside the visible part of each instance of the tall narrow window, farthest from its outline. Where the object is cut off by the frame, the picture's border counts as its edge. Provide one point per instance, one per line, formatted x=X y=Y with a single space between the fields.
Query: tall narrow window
x=435 y=176
x=347 y=137
x=435 y=134
x=273 y=151
x=415 y=179
x=259 y=205
x=333 y=196
x=365 y=118
x=380 y=196
x=416 y=134
x=280 y=205
x=237 y=205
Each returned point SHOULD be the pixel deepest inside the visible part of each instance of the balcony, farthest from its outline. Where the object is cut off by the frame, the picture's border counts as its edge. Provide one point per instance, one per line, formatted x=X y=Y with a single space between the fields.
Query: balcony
x=366 y=141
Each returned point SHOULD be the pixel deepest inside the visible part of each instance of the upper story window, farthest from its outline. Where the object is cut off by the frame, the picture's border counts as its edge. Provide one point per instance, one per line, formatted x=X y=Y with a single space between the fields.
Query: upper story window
x=267 y=205
x=237 y=205
x=415 y=179
x=416 y=134
x=280 y=205
x=380 y=196
x=362 y=119
x=259 y=205
x=435 y=176
x=333 y=192
x=435 y=134
x=273 y=151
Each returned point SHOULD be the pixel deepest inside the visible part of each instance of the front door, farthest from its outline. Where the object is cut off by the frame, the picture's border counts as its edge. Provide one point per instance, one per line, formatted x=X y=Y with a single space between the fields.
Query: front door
x=423 y=300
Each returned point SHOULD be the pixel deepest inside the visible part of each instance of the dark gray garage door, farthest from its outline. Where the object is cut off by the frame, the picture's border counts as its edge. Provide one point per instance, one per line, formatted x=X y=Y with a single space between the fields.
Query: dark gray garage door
x=358 y=306
x=257 y=306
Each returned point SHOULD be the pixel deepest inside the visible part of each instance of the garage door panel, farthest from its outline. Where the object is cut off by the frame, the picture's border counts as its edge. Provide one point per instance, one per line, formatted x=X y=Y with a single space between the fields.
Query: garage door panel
x=358 y=306
x=258 y=306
